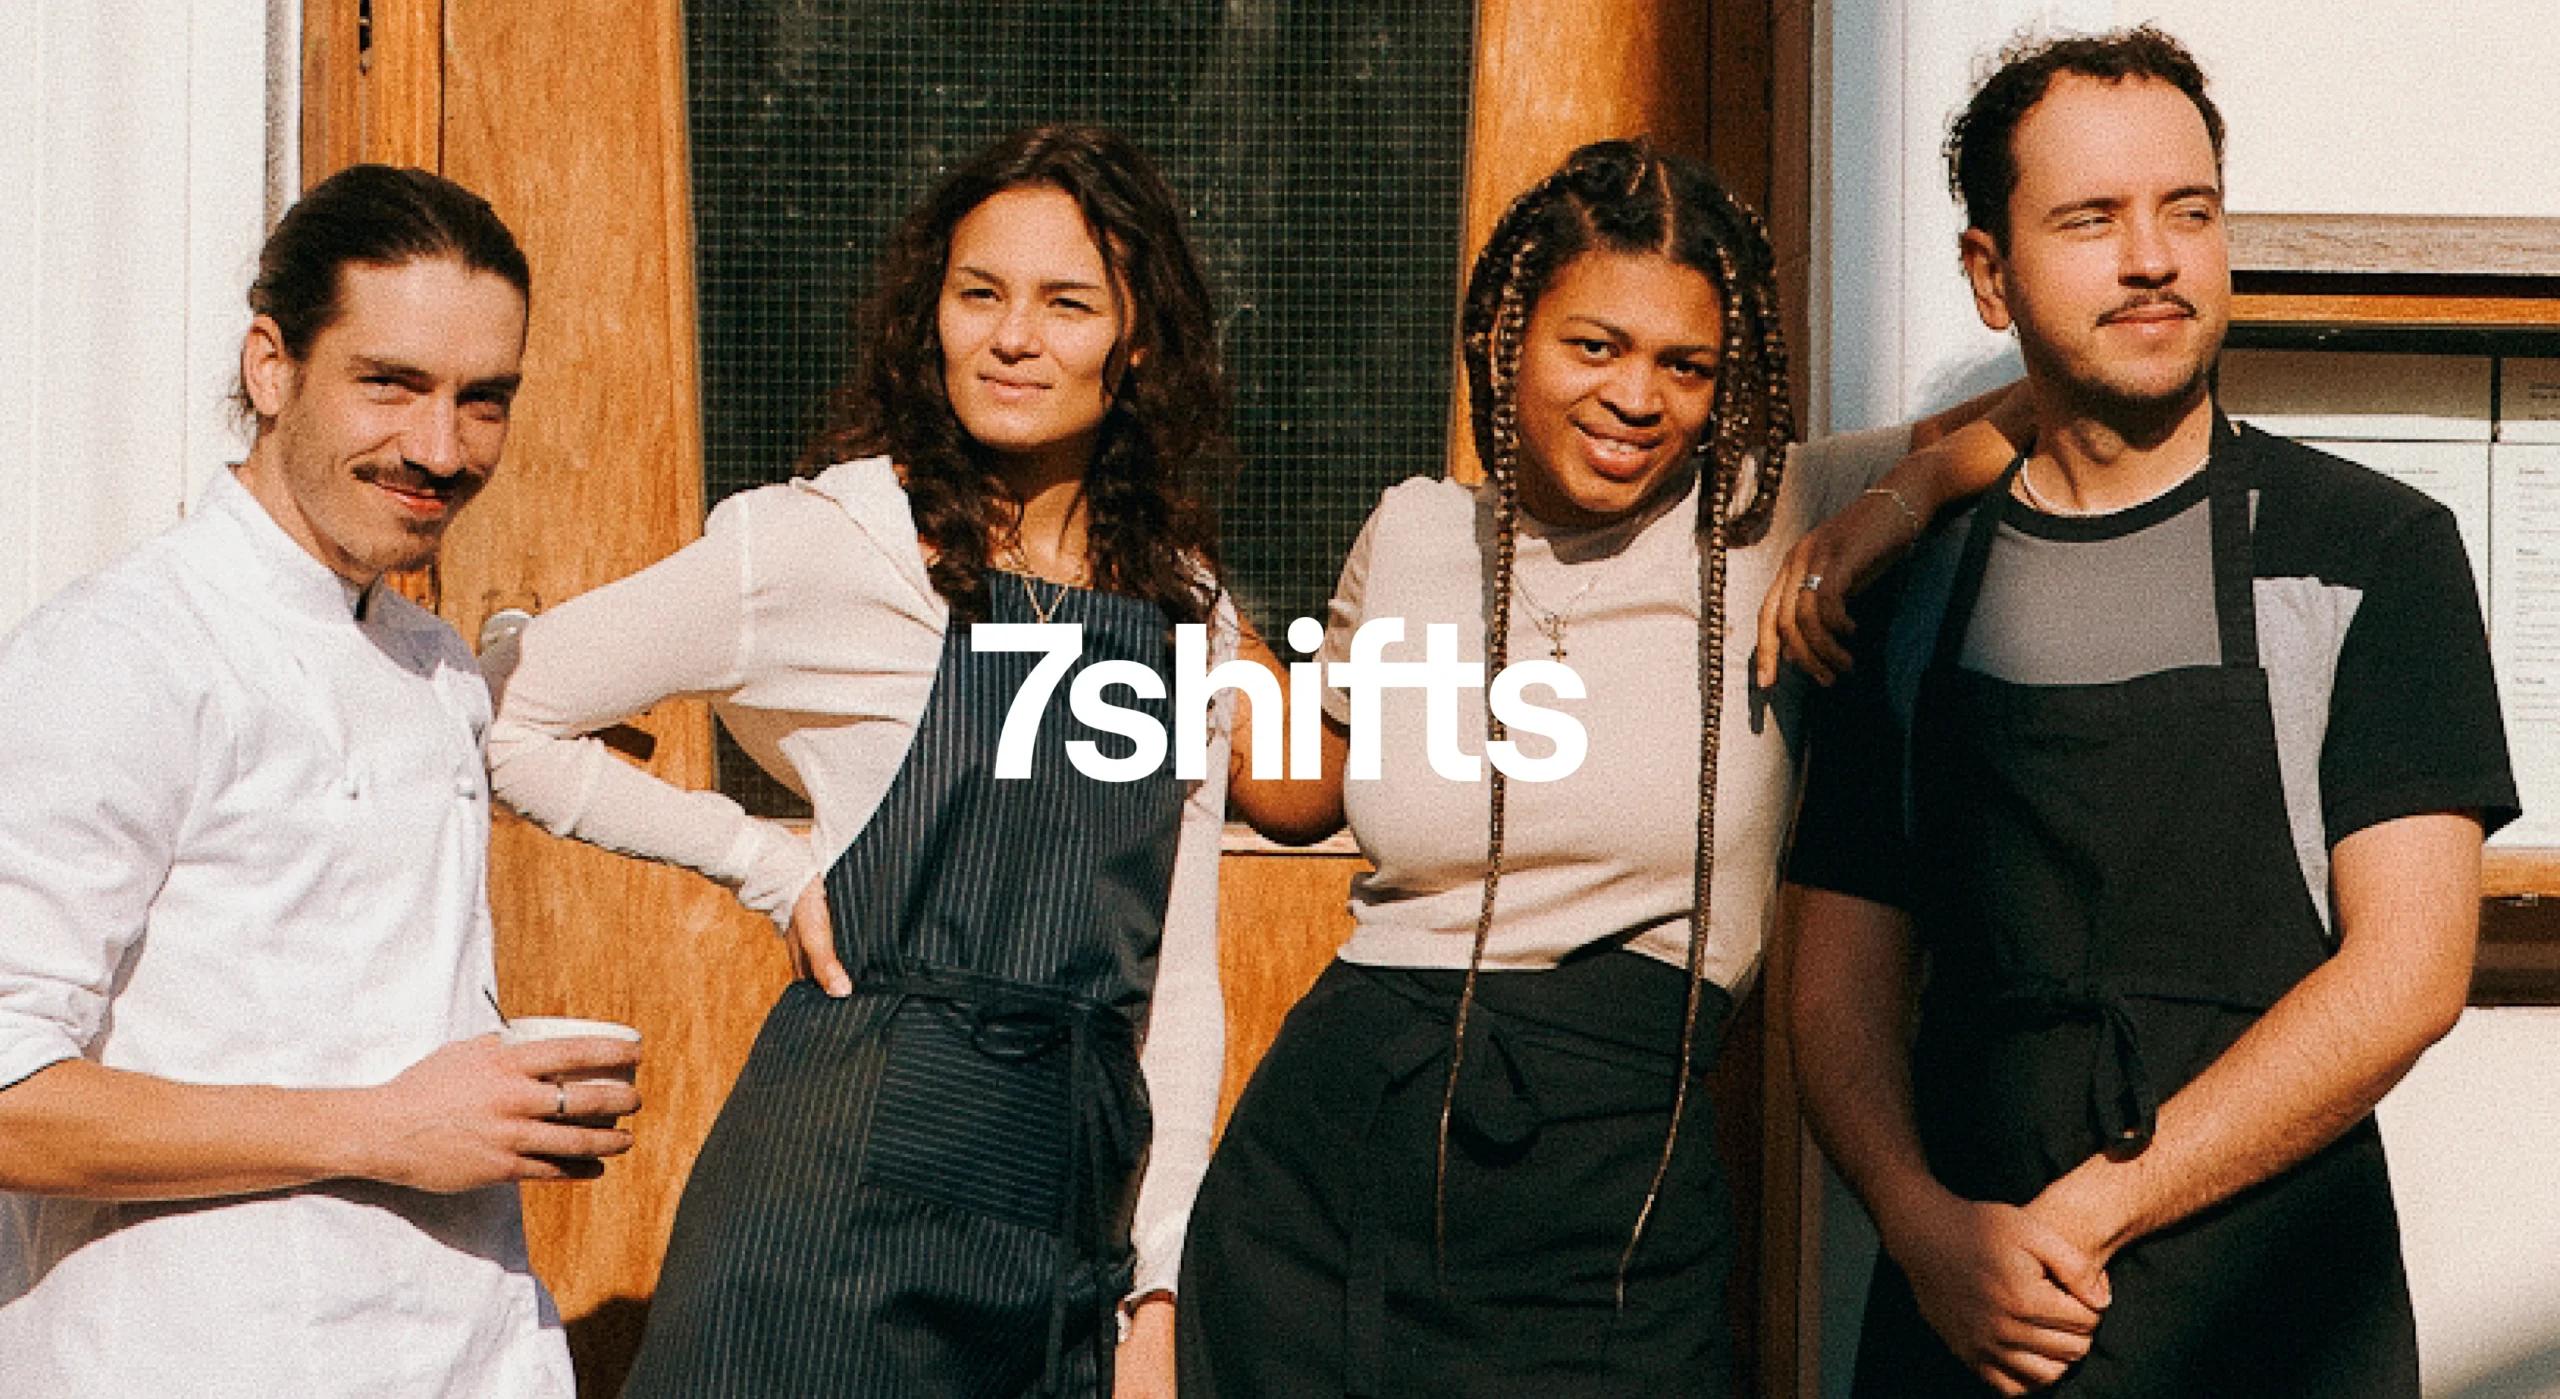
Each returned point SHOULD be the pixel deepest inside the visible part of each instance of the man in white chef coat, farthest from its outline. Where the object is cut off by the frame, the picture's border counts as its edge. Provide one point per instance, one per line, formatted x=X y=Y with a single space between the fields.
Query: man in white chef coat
x=255 y=1138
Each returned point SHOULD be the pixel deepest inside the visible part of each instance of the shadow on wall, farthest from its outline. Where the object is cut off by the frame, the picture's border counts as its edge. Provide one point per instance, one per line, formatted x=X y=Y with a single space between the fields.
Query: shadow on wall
x=2532 y=1375
x=603 y=1343
x=1954 y=383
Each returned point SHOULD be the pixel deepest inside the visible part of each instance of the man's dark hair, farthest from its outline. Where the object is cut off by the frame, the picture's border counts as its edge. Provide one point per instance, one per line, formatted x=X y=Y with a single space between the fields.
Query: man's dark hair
x=379 y=216
x=1982 y=157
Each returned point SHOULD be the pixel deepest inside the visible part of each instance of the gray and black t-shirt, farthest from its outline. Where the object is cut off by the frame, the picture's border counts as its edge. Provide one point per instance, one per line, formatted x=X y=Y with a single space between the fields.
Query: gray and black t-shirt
x=2368 y=628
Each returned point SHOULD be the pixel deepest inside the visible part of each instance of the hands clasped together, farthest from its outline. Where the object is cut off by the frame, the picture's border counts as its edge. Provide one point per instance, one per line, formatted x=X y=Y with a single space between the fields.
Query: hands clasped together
x=2015 y=1298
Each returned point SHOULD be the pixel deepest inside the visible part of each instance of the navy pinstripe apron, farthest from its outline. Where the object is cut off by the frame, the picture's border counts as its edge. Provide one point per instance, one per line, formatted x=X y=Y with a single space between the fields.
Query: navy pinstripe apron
x=925 y=1189
x=2114 y=901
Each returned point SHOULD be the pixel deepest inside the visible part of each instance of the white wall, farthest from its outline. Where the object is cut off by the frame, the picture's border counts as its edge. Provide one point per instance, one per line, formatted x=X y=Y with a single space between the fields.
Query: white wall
x=2380 y=106
x=2335 y=106
x=134 y=160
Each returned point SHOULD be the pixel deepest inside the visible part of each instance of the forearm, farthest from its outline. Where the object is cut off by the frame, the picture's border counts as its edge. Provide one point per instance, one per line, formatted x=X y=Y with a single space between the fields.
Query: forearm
x=80 y=1129
x=2312 y=1067
x=1296 y=808
x=673 y=629
x=2322 y=1057
x=1959 y=454
x=572 y=787
x=1184 y=1057
x=1850 y=1018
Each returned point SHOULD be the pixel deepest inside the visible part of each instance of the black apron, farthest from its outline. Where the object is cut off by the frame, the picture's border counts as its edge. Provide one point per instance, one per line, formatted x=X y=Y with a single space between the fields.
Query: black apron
x=925 y=1189
x=2113 y=899
x=1310 y=1269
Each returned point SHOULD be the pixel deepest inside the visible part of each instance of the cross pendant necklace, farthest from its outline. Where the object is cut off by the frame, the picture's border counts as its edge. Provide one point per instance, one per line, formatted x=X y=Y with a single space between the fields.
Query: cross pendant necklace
x=1552 y=624
x=1553 y=627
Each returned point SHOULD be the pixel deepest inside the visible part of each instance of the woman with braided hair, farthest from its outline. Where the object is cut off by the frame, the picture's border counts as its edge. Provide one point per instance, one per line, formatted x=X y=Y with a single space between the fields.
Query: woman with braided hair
x=1470 y=1164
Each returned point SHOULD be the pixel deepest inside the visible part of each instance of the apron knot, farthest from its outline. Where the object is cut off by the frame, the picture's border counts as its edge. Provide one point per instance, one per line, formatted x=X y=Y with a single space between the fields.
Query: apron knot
x=1018 y=1023
x=2124 y=1109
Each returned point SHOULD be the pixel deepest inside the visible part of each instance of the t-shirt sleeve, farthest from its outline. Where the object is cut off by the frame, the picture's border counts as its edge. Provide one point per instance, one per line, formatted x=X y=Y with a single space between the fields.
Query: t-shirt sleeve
x=1345 y=613
x=2414 y=725
x=1851 y=837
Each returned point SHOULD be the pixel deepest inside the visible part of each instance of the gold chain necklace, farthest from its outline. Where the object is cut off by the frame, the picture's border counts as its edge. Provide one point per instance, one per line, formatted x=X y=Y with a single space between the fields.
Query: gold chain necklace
x=1551 y=623
x=1015 y=562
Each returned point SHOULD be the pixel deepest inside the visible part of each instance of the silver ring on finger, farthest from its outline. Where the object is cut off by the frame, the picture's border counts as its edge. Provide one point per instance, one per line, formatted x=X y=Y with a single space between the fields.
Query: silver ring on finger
x=1812 y=583
x=560 y=1108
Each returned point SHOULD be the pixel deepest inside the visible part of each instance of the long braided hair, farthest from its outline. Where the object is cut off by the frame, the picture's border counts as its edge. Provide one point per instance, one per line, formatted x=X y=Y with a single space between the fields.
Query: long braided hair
x=1164 y=444
x=1627 y=197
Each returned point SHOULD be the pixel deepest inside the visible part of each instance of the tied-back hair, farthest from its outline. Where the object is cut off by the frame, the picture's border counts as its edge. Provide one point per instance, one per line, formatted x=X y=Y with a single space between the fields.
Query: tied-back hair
x=1151 y=531
x=1627 y=197
x=369 y=216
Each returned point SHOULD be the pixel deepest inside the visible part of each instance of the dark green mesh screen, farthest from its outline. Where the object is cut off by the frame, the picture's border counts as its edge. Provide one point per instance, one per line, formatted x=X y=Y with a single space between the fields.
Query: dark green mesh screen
x=1319 y=145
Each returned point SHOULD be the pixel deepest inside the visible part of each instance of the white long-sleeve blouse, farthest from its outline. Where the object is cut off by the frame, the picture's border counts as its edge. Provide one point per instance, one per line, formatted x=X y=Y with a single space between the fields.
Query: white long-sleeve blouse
x=805 y=616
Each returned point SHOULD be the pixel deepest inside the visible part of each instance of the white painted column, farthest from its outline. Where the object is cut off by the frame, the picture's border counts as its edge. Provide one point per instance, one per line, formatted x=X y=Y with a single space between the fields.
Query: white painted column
x=133 y=156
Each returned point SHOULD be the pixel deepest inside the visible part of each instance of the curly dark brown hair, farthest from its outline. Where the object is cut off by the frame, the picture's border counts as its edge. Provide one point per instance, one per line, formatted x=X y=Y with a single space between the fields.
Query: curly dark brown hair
x=1981 y=149
x=1164 y=444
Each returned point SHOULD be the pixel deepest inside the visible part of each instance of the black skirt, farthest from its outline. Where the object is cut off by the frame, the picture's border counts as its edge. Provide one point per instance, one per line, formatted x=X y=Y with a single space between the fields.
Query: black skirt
x=1311 y=1269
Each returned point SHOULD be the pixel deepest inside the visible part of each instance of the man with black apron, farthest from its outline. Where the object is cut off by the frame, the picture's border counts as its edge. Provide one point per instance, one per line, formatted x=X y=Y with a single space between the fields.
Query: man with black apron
x=2162 y=781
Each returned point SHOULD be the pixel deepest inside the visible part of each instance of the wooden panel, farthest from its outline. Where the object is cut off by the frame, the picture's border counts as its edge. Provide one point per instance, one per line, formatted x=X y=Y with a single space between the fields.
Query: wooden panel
x=1280 y=920
x=372 y=84
x=1790 y=1293
x=569 y=116
x=2395 y=244
x=1790 y=205
x=2519 y=929
x=332 y=88
x=1738 y=109
x=2519 y=952
x=1552 y=75
x=2506 y=873
x=2405 y=311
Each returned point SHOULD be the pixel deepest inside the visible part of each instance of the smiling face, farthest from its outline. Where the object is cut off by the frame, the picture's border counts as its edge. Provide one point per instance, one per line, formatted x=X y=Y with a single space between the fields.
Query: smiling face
x=2117 y=272
x=371 y=442
x=1030 y=318
x=1617 y=384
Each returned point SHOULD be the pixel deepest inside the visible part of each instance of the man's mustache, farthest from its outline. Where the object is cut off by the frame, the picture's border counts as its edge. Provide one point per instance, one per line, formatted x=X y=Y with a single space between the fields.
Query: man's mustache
x=2145 y=302
x=414 y=481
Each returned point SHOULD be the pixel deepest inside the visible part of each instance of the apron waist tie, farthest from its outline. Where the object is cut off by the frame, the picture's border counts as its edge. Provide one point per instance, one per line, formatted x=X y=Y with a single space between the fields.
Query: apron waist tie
x=1016 y=1022
x=1497 y=1102
x=2124 y=1110
x=2124 y=1103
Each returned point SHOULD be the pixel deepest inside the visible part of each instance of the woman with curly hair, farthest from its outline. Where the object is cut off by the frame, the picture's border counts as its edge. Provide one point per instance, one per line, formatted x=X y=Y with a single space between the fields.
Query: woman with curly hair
x=928 y=1179
x=1472 y=1164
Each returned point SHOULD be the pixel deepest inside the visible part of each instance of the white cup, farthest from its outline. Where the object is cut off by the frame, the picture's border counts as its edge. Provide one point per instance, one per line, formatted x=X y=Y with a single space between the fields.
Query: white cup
x=526 y=1029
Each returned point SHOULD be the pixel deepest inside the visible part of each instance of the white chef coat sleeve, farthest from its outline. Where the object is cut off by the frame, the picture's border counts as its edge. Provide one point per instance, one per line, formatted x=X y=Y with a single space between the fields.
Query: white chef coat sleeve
x=1184 y=1057
x=101 y=734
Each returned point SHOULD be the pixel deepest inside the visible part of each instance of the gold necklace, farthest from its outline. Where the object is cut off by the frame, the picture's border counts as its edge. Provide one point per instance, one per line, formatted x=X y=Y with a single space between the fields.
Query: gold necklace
x=1551 y=624
x=1015 y=562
